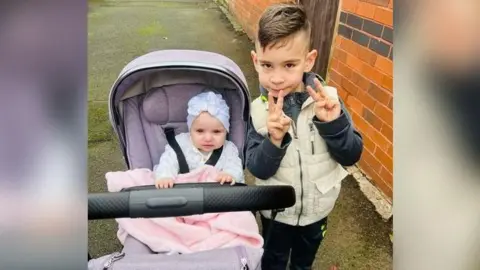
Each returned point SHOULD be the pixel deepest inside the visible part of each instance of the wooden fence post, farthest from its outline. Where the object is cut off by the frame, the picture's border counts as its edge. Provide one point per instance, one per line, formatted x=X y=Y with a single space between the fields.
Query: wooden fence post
x=324 y=16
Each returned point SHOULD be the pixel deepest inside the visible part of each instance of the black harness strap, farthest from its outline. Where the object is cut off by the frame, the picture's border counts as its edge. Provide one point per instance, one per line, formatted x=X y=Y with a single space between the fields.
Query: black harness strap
x=214 y=157
x=182 y=161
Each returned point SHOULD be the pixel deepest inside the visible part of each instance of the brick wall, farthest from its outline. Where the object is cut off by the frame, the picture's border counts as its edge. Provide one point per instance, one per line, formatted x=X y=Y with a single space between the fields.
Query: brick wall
x=362 y=71
x=247 y=12
x=361 y=68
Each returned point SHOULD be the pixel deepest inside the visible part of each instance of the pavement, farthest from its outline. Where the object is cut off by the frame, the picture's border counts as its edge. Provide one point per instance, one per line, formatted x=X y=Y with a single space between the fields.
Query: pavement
x=357 y=238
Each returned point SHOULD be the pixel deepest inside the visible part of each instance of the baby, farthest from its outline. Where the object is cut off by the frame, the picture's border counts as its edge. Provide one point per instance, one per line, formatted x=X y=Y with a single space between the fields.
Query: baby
x=208 y=123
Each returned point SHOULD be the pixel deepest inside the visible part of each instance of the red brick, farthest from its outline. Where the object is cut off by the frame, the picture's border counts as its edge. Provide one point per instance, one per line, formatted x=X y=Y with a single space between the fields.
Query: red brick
x=334 y=75
x=354 y=48
x=390 y=151
x=362 y=82
x=390 y=104
x=254 y=17
x=338 y=41
x=366 y=99
x=387 y=83
x=367 y=56
x=245 y=14
x=264 y=4
x=387 y=132
x=385 y=182
x=371 y=160
x=370 y=72
x=343 y=39
x=349 y=86
x=254 y=6
x=335 y=63
x=384 y=159
x=371 y=118
x=387 y=177
x=341 y=92
x=384 y=113
x=369 y=171
x=378 y=2
x=379 y=94
x=349 y=5
x=350 y=47
x=368 y=143
x=344 y=70
x=366 y=10
x=381 y=141
x=384 y=16
x=355 y=105
x=340 y=54
x=385 y=65
x=363 y=126
x=335 y=82
x=344 y=43
x=354 y=63
x=390 y=5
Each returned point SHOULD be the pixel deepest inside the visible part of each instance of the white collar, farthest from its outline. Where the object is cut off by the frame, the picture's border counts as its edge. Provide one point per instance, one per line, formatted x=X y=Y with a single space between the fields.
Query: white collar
x=205 y=157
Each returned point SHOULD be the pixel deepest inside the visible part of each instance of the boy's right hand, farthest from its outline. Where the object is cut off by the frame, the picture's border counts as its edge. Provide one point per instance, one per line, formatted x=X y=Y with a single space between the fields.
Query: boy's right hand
x=164 y=183
x=277 y=122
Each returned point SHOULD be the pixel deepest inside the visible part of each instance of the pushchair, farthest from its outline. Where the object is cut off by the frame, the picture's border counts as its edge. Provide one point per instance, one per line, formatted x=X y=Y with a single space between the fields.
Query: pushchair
x=147 y=105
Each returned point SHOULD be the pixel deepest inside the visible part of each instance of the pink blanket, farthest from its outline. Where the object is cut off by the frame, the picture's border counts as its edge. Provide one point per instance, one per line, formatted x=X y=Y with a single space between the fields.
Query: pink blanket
x=189 y=233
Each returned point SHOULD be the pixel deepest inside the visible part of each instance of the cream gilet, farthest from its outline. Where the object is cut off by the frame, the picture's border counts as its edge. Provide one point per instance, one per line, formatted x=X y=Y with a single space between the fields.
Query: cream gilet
x=315 y=176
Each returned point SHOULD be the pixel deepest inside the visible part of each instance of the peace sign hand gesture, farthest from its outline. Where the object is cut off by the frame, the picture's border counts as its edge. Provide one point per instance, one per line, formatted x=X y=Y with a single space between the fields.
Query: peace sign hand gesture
x=326 y=109
x=277 y=122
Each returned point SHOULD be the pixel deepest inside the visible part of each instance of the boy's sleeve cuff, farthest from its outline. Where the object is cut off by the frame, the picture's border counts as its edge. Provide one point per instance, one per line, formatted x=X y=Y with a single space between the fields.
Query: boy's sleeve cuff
x=273 y=151
x=333 y=127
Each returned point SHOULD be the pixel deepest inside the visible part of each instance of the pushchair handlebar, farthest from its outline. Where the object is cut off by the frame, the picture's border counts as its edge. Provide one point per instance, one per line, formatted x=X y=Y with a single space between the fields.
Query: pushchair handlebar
x=187 y=199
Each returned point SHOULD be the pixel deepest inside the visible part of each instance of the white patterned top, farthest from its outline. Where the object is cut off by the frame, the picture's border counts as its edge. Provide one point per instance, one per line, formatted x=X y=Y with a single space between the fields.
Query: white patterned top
x=229 y=162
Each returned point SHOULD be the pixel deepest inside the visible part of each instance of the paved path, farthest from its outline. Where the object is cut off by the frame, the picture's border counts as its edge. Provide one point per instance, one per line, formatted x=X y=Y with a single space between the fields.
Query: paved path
x=121 y=30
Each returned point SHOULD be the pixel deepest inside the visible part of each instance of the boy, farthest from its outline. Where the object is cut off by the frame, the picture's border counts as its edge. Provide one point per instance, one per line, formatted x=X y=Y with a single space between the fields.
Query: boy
x=300 y=137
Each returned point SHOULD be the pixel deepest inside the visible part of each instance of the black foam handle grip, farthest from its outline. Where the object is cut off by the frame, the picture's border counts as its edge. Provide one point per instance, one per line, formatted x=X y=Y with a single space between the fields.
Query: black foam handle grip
x=249 y=198
x=182 y=200
x=108 y=205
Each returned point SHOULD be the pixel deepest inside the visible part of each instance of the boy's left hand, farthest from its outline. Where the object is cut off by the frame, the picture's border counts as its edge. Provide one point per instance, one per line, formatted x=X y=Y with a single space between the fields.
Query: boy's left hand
x=326 y=109
x=225 y=178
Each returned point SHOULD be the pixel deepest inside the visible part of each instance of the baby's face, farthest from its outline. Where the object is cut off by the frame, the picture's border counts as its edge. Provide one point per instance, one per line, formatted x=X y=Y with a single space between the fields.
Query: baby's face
x=207 y=132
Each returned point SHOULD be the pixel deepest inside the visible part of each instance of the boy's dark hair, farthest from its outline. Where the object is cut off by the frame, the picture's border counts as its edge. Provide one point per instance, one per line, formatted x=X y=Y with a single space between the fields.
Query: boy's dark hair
x=281 y=21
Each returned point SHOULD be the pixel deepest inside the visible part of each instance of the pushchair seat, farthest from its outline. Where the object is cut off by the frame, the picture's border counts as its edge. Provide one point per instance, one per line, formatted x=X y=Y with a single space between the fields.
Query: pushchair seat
x=163 y=105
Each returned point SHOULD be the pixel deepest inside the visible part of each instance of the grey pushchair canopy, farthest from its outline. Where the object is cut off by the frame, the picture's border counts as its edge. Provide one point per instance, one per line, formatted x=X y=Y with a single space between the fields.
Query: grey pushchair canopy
x=151 y=94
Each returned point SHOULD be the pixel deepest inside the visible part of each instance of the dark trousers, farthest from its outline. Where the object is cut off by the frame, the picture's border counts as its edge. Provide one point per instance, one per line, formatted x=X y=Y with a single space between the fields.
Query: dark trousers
x=301 y=242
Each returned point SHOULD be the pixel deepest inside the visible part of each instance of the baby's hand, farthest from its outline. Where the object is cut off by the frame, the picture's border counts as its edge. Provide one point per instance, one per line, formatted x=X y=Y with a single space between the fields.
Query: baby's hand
x=225 y=178
x=164 y=183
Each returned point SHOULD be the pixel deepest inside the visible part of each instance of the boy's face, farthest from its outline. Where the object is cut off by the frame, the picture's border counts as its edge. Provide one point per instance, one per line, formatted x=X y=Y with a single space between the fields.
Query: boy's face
x=207 y=132
x=281 y=67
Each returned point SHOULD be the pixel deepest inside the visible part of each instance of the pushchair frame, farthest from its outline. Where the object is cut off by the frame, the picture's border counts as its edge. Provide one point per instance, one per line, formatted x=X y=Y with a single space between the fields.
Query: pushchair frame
x=184 y=199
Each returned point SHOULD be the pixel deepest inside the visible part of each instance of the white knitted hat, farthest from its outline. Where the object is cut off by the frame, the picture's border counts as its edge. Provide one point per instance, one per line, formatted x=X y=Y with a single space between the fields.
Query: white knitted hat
x=209 y=102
